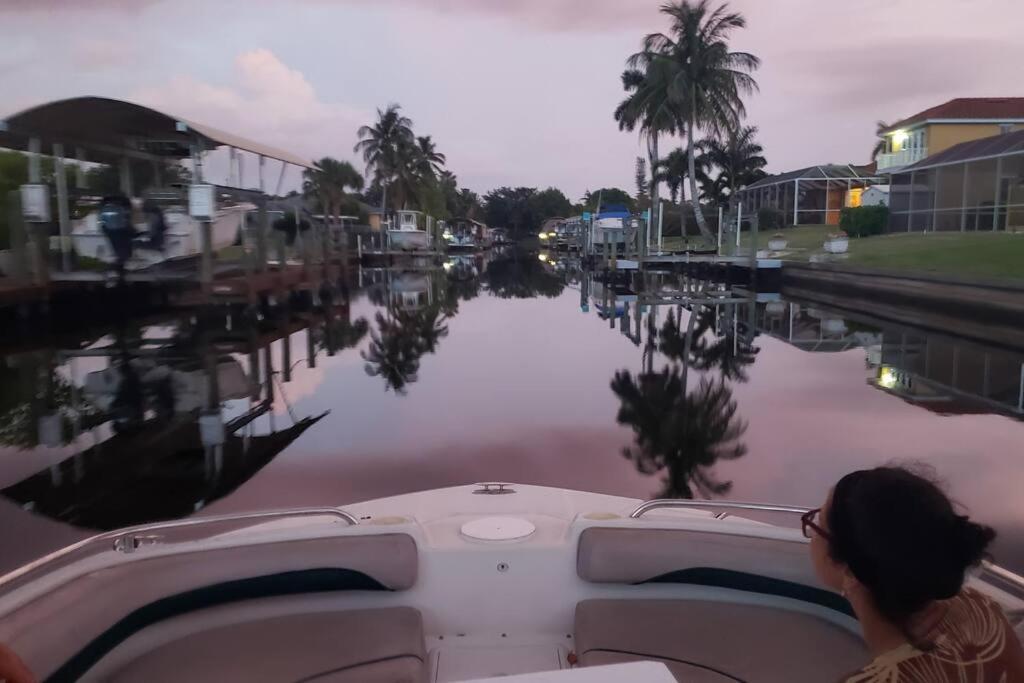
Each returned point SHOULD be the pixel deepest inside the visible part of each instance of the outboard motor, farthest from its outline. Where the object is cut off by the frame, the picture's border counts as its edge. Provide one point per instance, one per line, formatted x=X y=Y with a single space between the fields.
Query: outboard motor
x=116 y=224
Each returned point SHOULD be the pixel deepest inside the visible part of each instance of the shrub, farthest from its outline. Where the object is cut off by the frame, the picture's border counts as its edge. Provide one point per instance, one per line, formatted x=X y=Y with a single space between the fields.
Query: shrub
x=864 y=221
x=770 y=219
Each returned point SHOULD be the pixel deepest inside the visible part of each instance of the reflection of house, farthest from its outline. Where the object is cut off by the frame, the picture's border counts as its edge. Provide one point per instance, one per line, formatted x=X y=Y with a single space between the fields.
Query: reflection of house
x=976 y=185
x=937 y=129
x=949 y=377
x=810 y=196
x=811 y=329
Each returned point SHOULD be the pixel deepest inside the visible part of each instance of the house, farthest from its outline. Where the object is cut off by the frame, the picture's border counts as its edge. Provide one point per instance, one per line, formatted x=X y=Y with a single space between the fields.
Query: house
x=975 y=185
x=810 y=196
x=876 y=195
x=937 y=129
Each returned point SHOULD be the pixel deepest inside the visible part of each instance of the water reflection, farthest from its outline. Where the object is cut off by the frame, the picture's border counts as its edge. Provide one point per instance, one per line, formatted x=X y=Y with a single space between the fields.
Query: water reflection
x=164 y=419
x=682 y=434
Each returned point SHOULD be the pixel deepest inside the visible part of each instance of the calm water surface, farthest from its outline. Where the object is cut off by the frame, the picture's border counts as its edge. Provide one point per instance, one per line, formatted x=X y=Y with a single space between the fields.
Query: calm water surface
x=506 y=368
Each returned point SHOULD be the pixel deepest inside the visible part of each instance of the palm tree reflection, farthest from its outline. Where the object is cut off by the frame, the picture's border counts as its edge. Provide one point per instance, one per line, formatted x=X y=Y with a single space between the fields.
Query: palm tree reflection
x=401 y=339
x=679 y=433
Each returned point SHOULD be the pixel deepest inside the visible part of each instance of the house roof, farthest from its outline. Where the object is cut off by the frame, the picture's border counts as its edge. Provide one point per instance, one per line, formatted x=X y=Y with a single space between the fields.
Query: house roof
x=994 y=146
x=994 y=108
x=821 y=172
x=108 y=128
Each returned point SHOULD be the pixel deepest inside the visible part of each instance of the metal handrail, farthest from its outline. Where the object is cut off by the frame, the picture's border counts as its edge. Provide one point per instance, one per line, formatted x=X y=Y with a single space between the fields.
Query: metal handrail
x=1004 y=577
x=129 y=539
x=644 y=508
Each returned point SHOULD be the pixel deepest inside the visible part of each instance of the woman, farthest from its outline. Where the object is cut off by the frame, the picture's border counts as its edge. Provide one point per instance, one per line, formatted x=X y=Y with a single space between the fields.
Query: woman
x=892 y=544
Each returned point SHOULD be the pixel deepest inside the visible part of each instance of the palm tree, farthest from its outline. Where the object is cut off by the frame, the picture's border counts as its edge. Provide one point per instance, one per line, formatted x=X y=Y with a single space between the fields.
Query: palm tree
x=433 y=161
x=673 y=171
x=328 y=181
x=647 y=107
x=880 y=128
x=383 y=143
x=738 y=158
x=701 y=78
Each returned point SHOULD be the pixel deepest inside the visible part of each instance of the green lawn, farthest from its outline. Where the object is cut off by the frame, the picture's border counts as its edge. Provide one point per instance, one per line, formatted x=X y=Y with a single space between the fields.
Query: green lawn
x=974 y=254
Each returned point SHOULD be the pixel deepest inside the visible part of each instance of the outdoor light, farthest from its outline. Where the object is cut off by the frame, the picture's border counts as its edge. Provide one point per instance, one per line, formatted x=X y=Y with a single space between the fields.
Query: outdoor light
x=448 y=265
x=543 y=257
x=543 y=235
x=887 y=377
x=900 y=137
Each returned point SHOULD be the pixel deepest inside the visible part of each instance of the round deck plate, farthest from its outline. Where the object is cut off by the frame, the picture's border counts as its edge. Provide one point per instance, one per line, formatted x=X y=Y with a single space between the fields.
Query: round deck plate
x=498 y=528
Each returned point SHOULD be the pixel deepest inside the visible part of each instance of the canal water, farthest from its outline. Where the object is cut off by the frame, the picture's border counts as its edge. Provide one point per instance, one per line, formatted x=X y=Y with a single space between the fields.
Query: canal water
x=508 y=367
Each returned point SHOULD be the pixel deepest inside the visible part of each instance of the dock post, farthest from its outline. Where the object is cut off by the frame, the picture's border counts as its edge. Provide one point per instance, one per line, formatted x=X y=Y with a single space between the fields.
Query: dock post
x=721 y=217
x=615 y=249
x=739 y=224
x=310 y=349
x=206 y=262
x=19 y=237
x=359 y=247
x=262 y=234
x=63 y=215
x=286 y=356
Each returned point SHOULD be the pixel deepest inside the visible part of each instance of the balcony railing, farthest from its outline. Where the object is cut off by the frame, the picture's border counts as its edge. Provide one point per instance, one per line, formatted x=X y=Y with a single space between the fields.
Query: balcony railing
x=900 y=159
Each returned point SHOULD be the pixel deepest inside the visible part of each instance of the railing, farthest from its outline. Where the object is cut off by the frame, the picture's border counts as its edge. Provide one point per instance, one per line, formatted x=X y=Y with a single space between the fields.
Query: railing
x=130 y=539
x=644 y=508
x=899 y=159
x=991 y=573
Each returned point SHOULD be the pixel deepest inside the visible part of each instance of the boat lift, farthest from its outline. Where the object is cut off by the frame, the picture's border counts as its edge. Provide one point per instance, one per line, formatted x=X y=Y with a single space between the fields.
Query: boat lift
x=116 y=133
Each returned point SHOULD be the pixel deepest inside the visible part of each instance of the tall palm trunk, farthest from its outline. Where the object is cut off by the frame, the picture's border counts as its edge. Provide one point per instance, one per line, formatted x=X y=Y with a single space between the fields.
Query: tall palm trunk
x=652 y=148
x=691 y=160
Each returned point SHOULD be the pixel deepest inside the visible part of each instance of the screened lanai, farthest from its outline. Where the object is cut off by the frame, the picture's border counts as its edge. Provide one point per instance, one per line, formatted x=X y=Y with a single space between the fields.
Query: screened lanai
x=810 y=196
x=976 y=185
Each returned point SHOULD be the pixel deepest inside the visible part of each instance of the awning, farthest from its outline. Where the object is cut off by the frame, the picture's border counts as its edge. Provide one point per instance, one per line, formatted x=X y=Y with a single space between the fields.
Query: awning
x=111 y=129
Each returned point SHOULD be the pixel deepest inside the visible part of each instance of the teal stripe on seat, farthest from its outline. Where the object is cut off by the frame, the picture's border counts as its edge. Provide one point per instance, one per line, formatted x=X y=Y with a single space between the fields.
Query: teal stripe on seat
x=755 y=583
x=271 y=585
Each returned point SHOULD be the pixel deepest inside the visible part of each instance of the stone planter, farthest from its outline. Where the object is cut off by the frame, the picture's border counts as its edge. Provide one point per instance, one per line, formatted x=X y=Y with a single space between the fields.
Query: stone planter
x=837 y=245
x=777 y=244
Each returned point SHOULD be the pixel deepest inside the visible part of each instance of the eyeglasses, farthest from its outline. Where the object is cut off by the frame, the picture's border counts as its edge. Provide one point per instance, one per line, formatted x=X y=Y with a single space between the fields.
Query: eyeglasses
x=807 y=523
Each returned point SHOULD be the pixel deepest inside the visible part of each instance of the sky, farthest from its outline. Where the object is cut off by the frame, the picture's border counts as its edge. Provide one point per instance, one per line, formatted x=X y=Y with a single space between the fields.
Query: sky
x=514 y=92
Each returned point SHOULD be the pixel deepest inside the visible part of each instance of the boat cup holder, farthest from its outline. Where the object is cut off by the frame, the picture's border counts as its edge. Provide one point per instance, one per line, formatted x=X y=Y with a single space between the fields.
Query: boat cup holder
x=498 y=529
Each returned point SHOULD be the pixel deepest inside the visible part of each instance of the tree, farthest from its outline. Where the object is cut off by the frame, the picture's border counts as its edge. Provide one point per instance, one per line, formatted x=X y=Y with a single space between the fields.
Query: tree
x=328 y=181
x=384 y=144
x=673 y=170
x=433 y=161
x=880 y=128
x=511 y=208
x=608 y=196
x=698 y=77
x=649 y=109
x=643 y=200
x=738 y=158
x=549 y=203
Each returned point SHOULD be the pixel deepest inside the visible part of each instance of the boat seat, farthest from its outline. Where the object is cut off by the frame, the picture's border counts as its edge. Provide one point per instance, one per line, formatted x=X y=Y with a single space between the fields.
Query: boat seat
x=704 y=641
x=91 y=614
x=358 y=646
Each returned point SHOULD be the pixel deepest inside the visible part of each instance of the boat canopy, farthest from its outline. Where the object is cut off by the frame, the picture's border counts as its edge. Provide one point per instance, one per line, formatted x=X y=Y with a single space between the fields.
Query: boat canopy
x=112 y=129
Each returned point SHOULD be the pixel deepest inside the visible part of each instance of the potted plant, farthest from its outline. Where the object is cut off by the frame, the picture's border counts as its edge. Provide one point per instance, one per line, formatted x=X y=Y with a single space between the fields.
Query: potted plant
x=777 y=242
x=837 y=243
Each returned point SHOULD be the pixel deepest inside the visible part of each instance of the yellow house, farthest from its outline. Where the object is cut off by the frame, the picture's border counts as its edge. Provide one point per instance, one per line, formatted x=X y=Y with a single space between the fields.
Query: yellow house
x=939 y=128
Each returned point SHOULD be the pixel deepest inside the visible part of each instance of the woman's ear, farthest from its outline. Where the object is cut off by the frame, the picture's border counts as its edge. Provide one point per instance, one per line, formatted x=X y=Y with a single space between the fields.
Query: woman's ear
x=851 y=586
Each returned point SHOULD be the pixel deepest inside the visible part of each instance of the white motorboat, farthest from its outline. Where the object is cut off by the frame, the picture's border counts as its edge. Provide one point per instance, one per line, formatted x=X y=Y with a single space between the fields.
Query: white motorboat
x=406 y=234
x=410 y=291
x=183 y=237
x=467 y=583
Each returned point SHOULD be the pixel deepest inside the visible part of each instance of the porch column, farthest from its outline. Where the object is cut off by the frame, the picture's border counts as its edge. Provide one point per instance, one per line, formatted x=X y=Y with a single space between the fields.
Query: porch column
x=796 y=201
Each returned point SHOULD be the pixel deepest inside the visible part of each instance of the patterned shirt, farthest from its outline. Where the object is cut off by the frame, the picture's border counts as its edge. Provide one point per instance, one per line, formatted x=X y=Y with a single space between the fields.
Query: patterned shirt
x=972 y=643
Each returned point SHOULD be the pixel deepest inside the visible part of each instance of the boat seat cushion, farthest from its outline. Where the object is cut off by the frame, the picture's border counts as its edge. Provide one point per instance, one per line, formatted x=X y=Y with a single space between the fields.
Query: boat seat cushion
x=707 y=641
x=620 y=555
x=110 y=604
x=357 y=646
